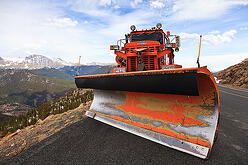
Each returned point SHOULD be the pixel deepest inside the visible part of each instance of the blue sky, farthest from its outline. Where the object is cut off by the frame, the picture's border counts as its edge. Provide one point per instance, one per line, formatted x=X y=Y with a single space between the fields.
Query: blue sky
x=68 y=29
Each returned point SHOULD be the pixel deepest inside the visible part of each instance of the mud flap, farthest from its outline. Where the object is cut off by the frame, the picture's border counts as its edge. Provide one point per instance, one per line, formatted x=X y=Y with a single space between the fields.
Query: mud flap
x=183 y=122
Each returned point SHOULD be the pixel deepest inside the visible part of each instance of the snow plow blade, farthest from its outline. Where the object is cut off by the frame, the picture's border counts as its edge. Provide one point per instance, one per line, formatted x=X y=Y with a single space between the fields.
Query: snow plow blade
x=178 y=108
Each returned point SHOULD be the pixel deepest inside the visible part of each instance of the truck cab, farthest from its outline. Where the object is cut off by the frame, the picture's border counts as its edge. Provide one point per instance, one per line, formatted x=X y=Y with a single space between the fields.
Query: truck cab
x=149 y=49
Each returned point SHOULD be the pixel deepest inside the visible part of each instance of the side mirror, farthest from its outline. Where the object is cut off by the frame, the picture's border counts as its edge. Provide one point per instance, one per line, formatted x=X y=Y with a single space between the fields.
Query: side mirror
x=114 y=47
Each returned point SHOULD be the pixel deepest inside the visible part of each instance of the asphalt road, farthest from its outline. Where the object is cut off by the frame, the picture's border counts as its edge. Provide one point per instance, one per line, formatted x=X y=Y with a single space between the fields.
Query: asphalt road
x=92 y=142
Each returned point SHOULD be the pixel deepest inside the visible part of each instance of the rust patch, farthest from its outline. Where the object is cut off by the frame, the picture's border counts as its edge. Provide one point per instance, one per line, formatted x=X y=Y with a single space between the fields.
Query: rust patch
x=165 y=130
x=165 y=108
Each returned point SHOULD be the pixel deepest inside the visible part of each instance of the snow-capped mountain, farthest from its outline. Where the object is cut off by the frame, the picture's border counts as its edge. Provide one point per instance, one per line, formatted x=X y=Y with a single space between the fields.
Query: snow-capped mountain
x=32 y=62
x=40 y=60
x=1 y=61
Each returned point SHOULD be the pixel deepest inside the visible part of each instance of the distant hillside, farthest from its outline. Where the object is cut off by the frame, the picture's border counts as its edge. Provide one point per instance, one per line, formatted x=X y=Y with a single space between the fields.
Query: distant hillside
x=101 y=64
x=69 y=101
x=86 y=69
x=28 y=89
x=236 y=75
x=69 y=72
x=52 y=73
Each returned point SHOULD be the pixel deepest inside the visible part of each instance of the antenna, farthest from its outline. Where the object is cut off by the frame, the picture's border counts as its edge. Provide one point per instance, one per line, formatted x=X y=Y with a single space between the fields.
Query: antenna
x=199 y=52
x=78 y=65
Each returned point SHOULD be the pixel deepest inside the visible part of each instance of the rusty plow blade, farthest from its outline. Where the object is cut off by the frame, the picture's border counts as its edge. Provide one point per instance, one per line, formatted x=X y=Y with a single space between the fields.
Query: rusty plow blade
x=188 y=123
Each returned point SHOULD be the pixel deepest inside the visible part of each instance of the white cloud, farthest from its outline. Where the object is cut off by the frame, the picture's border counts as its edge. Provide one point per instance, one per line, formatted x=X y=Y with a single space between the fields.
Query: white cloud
x=117 y=7
x=243 y=28
x=61 y=22
x=105 y=2
x=134 y=3
x=120 y=25
x=157 y=4
x=214 y=63
x=219 y=39
x=36 y=27
x=239 y=2
x=202 y=9
x=189 y=36
x=213 y=38
x=32 y=46
x=215 y=32
x=91 y=7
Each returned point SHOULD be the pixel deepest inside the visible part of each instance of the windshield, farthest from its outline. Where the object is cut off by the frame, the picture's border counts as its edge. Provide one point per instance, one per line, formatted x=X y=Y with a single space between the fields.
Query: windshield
x=148 y=37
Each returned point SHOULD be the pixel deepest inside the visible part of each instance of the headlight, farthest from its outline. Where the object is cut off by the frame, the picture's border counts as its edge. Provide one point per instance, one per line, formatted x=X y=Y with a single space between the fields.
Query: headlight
x=159 y=25
x=132 y=27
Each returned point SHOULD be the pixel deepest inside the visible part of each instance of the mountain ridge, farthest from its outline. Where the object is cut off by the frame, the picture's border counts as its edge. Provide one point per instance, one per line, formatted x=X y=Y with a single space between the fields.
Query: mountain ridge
x=32 y=62
x=236 y=75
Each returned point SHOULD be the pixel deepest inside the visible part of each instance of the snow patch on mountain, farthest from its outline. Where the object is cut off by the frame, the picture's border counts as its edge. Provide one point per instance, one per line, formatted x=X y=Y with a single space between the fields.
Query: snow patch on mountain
x=13 y=59
x=32 y=62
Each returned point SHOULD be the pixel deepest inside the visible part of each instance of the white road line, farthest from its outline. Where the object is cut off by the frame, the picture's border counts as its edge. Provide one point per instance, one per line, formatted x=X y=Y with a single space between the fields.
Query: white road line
x=234 y=94
x=242 y=90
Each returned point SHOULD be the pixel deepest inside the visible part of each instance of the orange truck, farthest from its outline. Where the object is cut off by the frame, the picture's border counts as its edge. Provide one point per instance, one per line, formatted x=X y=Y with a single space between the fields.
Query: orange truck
x=150 y=96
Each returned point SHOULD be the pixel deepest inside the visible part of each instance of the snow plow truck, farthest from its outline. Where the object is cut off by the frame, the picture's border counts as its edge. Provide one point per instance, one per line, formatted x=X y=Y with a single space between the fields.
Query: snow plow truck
x=147 y=94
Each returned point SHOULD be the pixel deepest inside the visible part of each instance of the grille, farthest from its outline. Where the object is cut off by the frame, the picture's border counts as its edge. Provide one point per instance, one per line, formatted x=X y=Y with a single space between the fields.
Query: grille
x=148 y=57
x=149 y=62
x=132 y=64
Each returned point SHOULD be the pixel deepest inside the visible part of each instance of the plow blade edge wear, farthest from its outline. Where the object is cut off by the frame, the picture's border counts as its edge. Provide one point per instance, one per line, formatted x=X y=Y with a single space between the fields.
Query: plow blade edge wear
x=183 y=115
